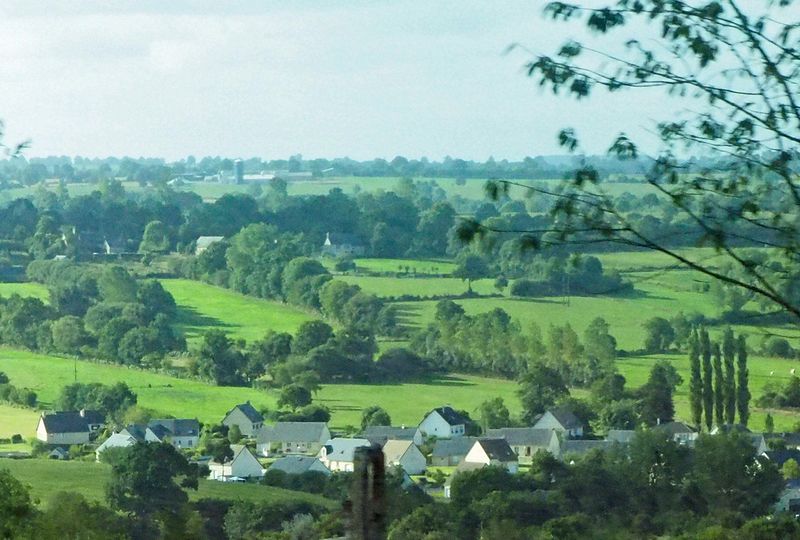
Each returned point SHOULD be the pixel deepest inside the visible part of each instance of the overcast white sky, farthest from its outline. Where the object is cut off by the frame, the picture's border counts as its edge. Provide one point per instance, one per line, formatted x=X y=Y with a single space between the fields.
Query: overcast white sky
x=271 y=79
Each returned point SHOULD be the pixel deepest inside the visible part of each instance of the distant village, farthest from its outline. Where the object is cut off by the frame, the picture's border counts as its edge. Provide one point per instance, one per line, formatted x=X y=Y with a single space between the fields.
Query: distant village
x=440 y=440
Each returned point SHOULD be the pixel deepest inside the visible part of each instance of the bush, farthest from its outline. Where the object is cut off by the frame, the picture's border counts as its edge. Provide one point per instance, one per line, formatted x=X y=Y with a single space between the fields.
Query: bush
x=16 y=438
x=778 y=347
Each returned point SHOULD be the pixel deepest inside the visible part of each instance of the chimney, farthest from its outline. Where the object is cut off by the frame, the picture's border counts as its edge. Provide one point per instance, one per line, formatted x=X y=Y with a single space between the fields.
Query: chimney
x=82 y=412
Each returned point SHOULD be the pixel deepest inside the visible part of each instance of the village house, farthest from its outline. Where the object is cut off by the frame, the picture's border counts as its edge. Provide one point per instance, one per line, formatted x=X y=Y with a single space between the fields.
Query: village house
x=526 y=441
x=495 y=452
x=246 y=417
x=622 y=436
x=204 y=242
x=404 y=454
x=179 y=432
x=380 y=434
x=571 y=448
x=679 y=432
x=292 y=438
x=562 y=420
x=339 y=454
x=342 y=245
x=443 y=423
x=450 y=452
x=69 y=427
x=116 y=440
x=299 y=465
x=243 y=465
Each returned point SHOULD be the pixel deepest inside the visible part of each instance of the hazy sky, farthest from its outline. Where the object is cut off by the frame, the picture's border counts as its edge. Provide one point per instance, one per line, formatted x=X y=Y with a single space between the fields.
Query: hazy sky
x=271 y=79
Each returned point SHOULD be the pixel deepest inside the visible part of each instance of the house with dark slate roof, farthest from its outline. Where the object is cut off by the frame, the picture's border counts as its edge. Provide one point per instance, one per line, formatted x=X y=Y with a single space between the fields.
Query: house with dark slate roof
x=381 y=434
x=443 y=423
x=246 y=417
x=342 y=244
x=561 y=419
x=450 y=452
x=577 y=448
x=292 y=438
x=179 y=432
x=69 y=427
x=527 y=441
x=299 y=465
x=339 y=454
x=493 y=452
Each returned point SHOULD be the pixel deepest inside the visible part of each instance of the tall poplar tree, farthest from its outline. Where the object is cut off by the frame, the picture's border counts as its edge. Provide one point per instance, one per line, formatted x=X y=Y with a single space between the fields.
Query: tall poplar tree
x=719 y=385
x=743 y=393
x=729 y=355
x=695 y=380
x=708 y=391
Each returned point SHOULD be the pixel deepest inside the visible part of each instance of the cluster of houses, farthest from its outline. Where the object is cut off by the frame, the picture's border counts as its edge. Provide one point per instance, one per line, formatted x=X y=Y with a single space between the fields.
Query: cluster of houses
x=300 y=447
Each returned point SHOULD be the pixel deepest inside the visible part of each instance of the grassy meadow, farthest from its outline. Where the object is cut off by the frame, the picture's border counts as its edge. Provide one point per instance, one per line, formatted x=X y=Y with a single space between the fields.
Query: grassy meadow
x=202 y=307
x=35 y=290
x=397 y=286
x=47 y=477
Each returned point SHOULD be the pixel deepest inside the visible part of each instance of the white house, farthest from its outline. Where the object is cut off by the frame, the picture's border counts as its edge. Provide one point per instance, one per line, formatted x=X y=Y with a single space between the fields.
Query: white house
x=117 y=440
x=292 y=438
x=246 y=417
x=406 y=455
x=526 y=441
x=342 y=244
x=179 y=432
x=204 y=242
x=243 y=465
x=443 y=423
x=339 y=454
x=69 y=427
x=299 y=465
x=562 y=420
x=492 y=452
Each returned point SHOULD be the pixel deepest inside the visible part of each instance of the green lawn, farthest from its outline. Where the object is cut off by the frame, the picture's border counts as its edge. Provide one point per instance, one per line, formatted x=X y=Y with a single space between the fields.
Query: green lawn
x=407 y=403
x=420 y=286
x=203 y=307
x=36 y=290
x=46 y=477
x=167 y=395
x=17 y=420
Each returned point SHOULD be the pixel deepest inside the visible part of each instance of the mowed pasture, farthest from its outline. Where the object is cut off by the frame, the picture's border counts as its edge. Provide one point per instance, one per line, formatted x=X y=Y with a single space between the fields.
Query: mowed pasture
x=624 y=313
x=202 y=307
x=406 y=403
x=48 y=477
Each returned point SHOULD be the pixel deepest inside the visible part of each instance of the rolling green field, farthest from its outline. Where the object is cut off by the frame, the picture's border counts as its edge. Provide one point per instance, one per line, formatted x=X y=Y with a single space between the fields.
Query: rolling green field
x=407 y=403
x=202 y=307
x=47 y=477
x=168 y=395
x=189 y=398
x=35 y=290
x=418 y=266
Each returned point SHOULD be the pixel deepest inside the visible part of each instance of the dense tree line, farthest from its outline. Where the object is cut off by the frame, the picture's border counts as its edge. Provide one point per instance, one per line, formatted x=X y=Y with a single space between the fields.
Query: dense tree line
x=493 y=343
x=93 y=311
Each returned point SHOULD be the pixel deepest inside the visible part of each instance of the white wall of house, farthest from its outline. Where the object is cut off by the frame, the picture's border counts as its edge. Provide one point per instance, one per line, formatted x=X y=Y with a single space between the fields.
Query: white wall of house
x=238 y=418
x=548 y=421
x=434 y=425
x=60 y=438
x=477 y=454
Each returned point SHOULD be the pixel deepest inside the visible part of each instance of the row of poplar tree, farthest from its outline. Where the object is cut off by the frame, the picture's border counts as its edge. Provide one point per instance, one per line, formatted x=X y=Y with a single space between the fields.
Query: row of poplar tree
x=719 y=388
